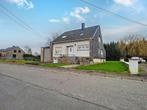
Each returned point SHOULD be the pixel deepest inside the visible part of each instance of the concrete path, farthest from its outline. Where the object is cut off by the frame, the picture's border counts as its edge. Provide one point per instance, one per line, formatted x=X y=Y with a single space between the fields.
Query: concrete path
x=78 y=91
x=70 y=66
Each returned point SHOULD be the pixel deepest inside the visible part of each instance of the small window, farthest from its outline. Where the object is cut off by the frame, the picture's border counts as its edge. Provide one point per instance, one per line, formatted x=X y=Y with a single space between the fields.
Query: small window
x=19 y=51
x=64 y=37
x=99 y=40
x=70 y=49
x=81 y=34
x=102 y=54
x=14 y=51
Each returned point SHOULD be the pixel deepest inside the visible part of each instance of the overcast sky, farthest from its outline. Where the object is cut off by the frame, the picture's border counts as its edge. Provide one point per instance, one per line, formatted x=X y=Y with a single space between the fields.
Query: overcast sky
x=50 y=16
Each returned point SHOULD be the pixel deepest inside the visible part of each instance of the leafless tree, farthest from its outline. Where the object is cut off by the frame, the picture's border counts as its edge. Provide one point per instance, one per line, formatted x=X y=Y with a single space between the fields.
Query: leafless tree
x=28 y=50
x=53 y=37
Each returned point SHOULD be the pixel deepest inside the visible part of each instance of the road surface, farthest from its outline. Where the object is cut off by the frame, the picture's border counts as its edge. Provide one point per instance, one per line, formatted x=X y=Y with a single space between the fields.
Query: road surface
x=32 y=88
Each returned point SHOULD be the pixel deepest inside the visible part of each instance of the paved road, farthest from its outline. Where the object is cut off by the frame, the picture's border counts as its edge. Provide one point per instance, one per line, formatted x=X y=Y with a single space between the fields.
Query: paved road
x=31 y=88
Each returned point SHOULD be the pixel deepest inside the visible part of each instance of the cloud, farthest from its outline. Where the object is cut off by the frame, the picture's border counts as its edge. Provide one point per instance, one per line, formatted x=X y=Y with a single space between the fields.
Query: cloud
x=66 y=20
x=22 y=3
x=124 y=2
x=62 y=20
x=54 y=20
x=78 y=12
x=118 y=32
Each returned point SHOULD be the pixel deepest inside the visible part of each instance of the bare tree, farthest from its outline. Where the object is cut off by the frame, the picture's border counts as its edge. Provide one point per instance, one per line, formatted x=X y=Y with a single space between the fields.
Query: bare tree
x=28 y=50
x=53 y=37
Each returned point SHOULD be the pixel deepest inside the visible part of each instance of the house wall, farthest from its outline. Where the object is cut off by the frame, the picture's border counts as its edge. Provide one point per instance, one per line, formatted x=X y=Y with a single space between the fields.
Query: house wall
x=19 y=55
x=97 y=47
x=2 y=54
x=9 y=54
x=76 y=52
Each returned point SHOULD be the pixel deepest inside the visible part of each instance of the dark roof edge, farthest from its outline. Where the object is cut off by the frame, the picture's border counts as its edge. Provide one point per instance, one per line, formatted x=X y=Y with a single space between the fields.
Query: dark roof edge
x=46 y=47
x=79 y=29
x=98 y=28
x=70 y=41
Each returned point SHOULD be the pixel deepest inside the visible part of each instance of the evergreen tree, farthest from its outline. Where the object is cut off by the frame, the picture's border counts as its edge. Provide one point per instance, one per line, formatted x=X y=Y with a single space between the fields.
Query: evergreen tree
x=112 y=51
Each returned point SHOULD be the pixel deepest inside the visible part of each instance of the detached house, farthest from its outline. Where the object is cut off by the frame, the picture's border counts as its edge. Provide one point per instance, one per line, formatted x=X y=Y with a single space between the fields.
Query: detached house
x=13 y=52
x=85 y=43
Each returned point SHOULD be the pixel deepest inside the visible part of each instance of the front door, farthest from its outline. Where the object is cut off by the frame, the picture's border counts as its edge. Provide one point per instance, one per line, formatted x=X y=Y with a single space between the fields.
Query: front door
x=14 y=56
x=70 y=51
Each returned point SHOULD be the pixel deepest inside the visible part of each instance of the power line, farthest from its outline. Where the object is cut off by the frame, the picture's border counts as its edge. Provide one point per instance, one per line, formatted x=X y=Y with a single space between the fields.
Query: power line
x=19 y=21
x=14 y=20
x=117 y=15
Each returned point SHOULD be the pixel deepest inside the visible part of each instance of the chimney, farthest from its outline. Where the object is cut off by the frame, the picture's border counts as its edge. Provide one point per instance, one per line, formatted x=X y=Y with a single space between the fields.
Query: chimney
x=83 y=26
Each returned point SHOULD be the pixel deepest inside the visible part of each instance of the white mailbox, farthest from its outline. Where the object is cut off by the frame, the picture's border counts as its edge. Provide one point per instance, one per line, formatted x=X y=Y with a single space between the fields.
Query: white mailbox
x=133 y=66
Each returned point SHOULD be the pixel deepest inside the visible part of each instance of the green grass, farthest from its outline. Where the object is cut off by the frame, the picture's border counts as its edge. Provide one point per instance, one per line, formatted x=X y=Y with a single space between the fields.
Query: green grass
x=109 y=66
x=19 y=61
x=31 y=63
x=51 y=64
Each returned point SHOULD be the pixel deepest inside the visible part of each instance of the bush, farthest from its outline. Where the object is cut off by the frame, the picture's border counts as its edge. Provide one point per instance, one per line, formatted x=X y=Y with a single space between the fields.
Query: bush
x=32 y=63
x=31 y=57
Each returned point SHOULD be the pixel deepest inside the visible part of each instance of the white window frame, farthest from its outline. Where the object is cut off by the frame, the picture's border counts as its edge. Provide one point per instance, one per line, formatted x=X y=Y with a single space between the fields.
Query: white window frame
x=99 y=39
x=84 y=47
x=58 y=50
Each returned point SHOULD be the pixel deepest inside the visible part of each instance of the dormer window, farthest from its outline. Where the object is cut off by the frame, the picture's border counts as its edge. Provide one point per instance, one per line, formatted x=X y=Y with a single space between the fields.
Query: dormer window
x=64 y=37
x=81 y=34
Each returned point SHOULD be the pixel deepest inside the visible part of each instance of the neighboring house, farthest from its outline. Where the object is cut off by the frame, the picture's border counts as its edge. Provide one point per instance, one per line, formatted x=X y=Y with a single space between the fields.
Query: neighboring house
x=46 y=55
x=80 y=43
x=12 y=53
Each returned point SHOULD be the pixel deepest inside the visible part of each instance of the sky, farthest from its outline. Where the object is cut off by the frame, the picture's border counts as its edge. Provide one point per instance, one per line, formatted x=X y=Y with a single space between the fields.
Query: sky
x=47 y=17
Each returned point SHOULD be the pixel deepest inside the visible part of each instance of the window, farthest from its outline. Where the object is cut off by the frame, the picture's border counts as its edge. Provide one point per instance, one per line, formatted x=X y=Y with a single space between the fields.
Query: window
x=102 y=54
x=81 y=34
x=14 y=56
x=70 y=49
x=58 y=50
x=14 y=51
x=64 y=37
x=99 y=39
x=19 y=51
x=83 y=47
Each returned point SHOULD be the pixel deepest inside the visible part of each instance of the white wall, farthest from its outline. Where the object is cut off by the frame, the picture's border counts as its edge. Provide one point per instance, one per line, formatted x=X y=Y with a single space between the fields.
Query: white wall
x=75 y=45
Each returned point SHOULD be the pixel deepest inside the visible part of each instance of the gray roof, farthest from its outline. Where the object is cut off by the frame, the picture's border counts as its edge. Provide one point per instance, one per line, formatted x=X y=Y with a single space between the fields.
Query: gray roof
x=2 y=50
x=10 y=48
x=76 y=35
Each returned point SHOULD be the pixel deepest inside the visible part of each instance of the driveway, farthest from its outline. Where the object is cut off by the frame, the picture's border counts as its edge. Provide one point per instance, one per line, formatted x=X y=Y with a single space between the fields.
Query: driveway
x=31 y=88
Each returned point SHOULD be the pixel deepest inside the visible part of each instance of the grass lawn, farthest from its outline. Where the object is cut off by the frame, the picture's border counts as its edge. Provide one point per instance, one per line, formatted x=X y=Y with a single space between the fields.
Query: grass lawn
x=19 y=61
x=109 y=66
x=52 y=64
x=31 y=63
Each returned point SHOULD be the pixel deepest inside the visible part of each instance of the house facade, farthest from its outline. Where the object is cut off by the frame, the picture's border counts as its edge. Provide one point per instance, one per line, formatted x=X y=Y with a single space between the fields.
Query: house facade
x=81 y=43
x=13 y=52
